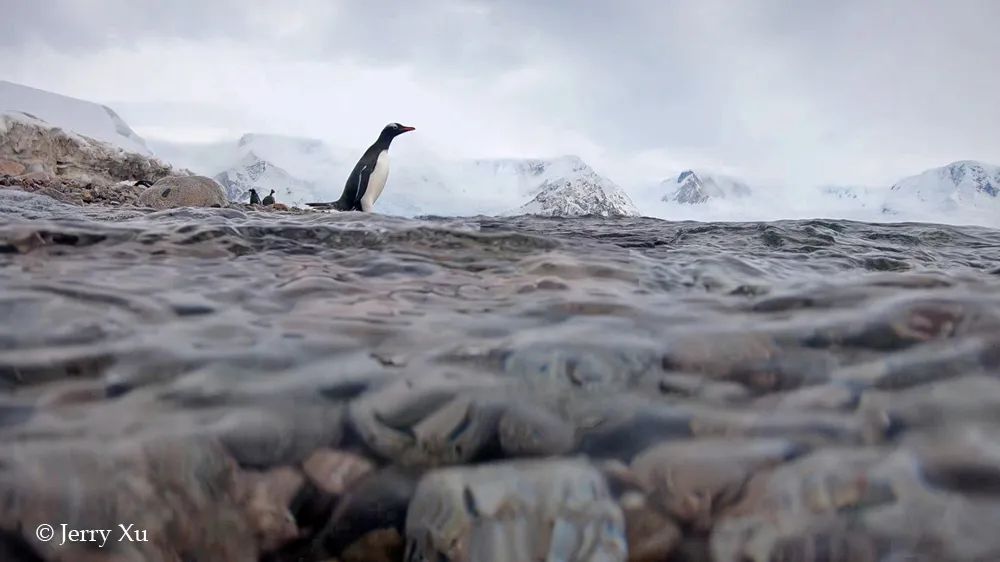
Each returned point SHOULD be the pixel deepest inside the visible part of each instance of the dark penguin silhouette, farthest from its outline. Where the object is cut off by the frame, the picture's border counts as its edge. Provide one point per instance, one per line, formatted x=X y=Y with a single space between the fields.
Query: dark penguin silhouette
x=254 y=198
x=269 y=200
x=143 y=183
x=367 y=180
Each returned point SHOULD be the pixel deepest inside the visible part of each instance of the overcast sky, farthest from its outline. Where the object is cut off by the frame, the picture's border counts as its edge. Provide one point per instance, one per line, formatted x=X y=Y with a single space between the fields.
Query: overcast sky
x=790 y=91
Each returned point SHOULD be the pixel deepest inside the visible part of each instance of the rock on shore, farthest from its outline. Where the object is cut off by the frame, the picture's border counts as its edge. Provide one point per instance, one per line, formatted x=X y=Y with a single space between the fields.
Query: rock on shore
x=50 y=151
x=184 y=191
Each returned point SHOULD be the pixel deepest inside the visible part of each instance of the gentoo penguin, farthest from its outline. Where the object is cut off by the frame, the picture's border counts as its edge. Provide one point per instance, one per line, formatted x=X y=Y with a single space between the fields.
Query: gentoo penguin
x=254 y=198
x=269 y=200
x=367 y=180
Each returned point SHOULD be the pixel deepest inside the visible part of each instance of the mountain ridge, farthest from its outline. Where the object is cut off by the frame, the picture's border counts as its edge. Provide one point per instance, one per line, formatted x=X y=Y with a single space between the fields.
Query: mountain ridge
x=693 y=187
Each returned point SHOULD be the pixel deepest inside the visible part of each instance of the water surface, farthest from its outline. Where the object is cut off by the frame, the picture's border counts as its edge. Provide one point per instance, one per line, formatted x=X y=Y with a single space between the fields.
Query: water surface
x=855 y=349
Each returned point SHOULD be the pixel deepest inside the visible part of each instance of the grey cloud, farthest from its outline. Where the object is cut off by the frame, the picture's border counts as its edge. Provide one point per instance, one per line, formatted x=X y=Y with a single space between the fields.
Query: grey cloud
x=71 y=24
x=770 y=84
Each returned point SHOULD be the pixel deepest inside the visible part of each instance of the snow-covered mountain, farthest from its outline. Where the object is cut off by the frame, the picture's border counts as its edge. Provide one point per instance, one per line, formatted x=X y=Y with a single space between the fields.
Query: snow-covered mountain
x=960 y=185
x=257 y=173
x=692 y=187
x=73 y=115
x=580 y=193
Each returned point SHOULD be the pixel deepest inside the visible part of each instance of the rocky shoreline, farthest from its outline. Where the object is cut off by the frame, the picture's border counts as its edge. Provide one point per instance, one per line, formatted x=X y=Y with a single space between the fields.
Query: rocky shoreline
x=37 y=157
x=121 y=194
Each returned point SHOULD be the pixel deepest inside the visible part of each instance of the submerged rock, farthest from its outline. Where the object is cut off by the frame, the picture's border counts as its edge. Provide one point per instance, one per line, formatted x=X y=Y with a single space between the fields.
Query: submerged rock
x=515 y=511
x=695 y=480
x=185 y=496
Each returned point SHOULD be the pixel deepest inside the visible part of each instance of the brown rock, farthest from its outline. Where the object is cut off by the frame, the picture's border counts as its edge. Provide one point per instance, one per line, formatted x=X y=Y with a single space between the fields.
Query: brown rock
x=279 y=207
x=380 y=545
x=651 y=536
x=333 y=471
x=183 y=191
x=181 y=492
x=73 y=393
x=694 y=480
x=11 y=168
x=266 y=497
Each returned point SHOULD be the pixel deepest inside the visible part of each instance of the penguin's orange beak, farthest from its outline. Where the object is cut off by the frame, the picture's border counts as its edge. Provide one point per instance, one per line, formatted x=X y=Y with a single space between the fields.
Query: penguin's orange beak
x=407 y=129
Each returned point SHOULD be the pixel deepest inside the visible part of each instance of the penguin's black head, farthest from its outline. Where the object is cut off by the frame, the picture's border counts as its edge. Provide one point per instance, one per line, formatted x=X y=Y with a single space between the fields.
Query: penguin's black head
x=252 y=190
x=272 y=192
x=395 y=129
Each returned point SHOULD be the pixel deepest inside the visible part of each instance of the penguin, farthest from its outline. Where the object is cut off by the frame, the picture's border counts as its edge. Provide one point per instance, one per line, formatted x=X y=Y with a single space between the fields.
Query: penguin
x=143 y=183
x=269 y=200
x=367 y=180
x=254 y=198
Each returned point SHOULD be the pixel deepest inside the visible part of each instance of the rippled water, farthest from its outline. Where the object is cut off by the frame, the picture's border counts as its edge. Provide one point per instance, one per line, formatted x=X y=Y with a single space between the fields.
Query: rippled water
x=820 y=334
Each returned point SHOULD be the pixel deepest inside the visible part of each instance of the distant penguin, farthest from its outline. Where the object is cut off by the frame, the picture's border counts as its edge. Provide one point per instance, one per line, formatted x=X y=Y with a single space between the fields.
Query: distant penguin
x=367 y=180
x=143 y=183
x=269 y=200
x=254 y=198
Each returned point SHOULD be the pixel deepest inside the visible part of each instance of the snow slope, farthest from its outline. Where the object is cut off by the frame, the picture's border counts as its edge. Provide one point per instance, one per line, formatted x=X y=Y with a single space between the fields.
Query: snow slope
x=84 y=118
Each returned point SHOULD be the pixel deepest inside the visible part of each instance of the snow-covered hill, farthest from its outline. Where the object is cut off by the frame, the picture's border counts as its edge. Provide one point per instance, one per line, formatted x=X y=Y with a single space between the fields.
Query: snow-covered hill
x=963 y=192
x=692 y=187
x=257 y=173
x=73 y=115
x=956 y=186
x=580 y=193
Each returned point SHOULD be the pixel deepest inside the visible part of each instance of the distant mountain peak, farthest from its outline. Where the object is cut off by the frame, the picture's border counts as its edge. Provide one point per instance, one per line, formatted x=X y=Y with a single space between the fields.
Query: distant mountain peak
x=966 y=186
x=582 y=193
x=961 y=179
x=692 y=188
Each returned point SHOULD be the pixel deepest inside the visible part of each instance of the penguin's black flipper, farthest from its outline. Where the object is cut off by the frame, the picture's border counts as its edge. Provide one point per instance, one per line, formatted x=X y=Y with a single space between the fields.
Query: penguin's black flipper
x=364 y=174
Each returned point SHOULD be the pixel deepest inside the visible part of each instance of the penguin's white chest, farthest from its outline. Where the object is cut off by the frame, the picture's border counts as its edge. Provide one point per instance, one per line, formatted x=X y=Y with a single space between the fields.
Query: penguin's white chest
x=376 y=181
